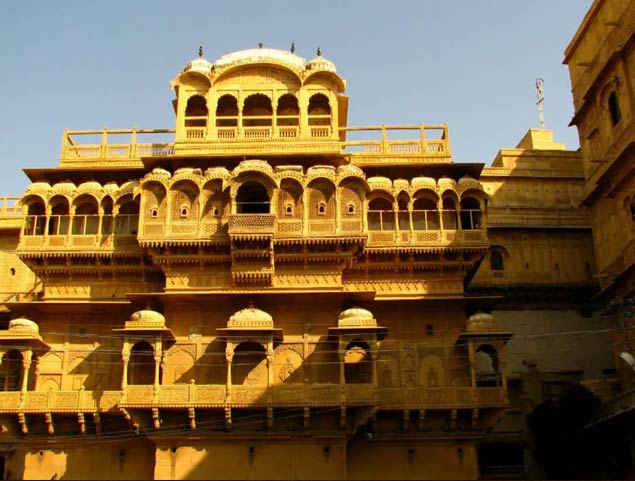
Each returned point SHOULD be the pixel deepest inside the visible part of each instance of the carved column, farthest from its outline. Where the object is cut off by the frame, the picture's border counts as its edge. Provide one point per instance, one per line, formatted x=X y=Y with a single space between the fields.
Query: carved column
x=305 y=211
x=441 y=214
x=338 y=214
x=471 y=357
x=27 y=357
x=229 y=356
x=412 y=227
x=274 y=114
x=373 y=356
x=341 y=354
x=158 y=354
x=270 y=363
x=125 y=357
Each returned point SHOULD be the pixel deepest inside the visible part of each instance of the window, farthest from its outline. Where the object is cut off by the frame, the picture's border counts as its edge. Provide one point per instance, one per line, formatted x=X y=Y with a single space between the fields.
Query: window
x=215 y=212
x=496 y=261
x=154 y=212
x=184 y=212
x=321 y=208
x=350 y=209
x=12 y=271
x=633 y=211
x=288 y=209
x=429 y=330
x=614 y=108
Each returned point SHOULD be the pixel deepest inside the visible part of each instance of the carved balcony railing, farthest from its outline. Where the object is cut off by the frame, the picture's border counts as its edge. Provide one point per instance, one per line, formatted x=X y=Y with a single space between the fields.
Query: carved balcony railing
x=10 y=212
x=79 y=232
x=251 y=224
x=280 y=395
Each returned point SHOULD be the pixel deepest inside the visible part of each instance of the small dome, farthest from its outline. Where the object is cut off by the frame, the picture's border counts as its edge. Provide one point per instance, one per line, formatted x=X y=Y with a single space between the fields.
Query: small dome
x=249 y=318
x=90 y=186
x=260 y=55
x=446 y=183
x=146 y=318
x=38 y=187
x=320 y=63
x=356 y=317
x=160 y=171
x=481 y=322
x=64 y=187
x=199 y=64
x=400 y=184
x=471 y=182
x=24 y=325
x=111 y=187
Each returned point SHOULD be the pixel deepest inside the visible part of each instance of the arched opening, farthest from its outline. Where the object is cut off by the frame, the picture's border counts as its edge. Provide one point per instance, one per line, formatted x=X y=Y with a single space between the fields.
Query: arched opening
x=381 y=215
x=12 y=370
x=486 y=366
x=425 y=214
x=288 y=113
x=106 y=217
x=450 y=219
x=290 y=200
x=141 y=365
x=249 y=365
x=86 y=218
x=257 y=111
x=154 y=202
x=614 y=109
x=227 y=111
x=470 y=214
x=127 y=221
x=358 y=363
x=496 y=262
x=196 y=112
x=321 y=205
x=35 y=221
x=319 y=112
x=252 y=198
x=58 y=223
x=184 y=196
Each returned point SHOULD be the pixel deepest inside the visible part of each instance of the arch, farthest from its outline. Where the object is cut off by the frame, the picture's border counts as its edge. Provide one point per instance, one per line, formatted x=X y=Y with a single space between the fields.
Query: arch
x=425 y=213
x=357 y=363
x=615 y=113
x=252 y=198
x=287 y=110
x=59 y=220
x=432 y=371
x=141 y=366
x=321 y=199
x=290 y=195
x=381 y=214
x=214 y=204
x=471 y=215
x=496 y=262
x=403 y=211
x=227 y=111
x=12 y=370
x=351 y=198
x=85 y=218
x=486 y=365
x=288 y=366
x=184 y=201
x=249 y=364
x=154 y=200
x=319 y=110
x=35 y=219
x=387 y=371
x=127 y=220
x=178 y=363
x=196 y=111
x=257 y=111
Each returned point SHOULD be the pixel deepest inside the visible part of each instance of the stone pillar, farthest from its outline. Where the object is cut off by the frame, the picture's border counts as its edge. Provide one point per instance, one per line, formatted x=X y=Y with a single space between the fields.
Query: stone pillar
x=27 y=357
x=338 y=213
x=373 y=356
x=270 y=363
x=125 y=357
x=305 y=212
x=158 y=354
x=341 y=354
x=471 y=357
x=229 y=357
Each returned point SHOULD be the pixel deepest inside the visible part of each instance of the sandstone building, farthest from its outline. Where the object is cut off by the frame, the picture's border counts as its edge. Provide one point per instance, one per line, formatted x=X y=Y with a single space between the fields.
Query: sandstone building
x=267 y=292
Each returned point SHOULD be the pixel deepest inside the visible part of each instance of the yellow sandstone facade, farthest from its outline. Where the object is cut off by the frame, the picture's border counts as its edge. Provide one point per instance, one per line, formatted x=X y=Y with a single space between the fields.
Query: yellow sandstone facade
x=266 y=292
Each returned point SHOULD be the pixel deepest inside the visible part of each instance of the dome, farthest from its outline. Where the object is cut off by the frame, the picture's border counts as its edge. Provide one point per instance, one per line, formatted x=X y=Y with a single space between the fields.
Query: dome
x=188 y=171
x=356 y=317
x=380 y=183
x=261 y=55
x=200 y=64
x=90 y=186
x=111 y=187
x=481 y=322
x=146 y=318
x=160 y=171
x=38 y=187
x=64 y=187
x=249 y=318
x=469 y=182
x=446 y=183
x=24 y=325
x=320 y=63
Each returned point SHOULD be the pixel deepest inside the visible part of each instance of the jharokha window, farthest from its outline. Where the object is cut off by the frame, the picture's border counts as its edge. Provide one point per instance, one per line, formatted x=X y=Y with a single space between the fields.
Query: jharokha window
x=614 y=109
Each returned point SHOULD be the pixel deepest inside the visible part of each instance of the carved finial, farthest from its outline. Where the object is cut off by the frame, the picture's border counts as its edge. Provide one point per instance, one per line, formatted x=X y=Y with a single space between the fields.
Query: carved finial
x=200 y=51
x=259 y=44
x=293 y=47
x=319 y=52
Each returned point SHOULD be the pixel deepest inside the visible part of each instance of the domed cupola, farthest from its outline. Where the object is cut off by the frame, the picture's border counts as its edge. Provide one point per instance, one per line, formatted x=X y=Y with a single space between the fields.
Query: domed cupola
x=22 y=333
x=147 y=323
x=200 y=64
x=356 y=322
x=321 y=63
x=251 y=322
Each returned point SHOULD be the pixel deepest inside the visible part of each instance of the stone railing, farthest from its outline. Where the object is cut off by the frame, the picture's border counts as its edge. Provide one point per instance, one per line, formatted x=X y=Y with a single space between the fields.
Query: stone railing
x=426 y=237
x=216 y=395
x=251 y=224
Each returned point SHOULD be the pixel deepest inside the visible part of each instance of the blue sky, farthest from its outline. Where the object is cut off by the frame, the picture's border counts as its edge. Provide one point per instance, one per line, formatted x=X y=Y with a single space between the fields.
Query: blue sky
x=471 y=64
